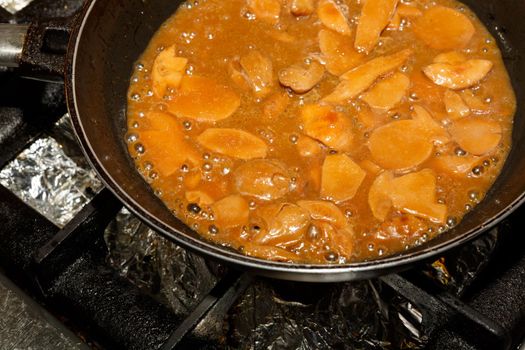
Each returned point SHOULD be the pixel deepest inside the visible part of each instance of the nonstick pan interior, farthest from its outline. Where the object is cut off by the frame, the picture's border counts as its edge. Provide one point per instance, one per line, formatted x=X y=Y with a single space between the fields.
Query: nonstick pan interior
x=113 y=34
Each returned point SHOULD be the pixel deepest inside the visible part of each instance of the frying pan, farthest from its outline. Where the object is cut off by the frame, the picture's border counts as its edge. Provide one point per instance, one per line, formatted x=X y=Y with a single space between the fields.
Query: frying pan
x=106 y=40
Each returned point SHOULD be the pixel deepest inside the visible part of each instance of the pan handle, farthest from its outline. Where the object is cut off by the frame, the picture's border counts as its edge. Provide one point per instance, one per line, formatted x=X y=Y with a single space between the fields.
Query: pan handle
x=37 y=50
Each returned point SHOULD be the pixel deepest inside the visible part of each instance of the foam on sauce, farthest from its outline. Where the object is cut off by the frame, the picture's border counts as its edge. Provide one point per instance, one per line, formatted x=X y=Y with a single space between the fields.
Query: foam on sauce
x=320 y=131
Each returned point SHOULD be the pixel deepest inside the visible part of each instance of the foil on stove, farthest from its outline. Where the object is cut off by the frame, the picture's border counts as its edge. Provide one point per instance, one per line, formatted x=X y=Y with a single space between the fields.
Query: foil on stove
x=48 y=180
x=179 y=278
x=13 y=6
x=287 y=315
x=358 y=315
x=457 y=270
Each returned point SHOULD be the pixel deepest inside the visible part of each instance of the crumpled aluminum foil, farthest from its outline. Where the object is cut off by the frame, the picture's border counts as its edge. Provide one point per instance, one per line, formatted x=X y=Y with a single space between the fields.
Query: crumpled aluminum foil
x=286 y=315
x=270 y=314
x=48 y=180
x=458 y=269
x=13 y=6
x=358 y=315
x=179 y=278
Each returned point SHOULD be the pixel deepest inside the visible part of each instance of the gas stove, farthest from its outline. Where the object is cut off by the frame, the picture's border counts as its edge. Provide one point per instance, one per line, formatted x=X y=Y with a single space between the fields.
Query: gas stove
x=79 y=271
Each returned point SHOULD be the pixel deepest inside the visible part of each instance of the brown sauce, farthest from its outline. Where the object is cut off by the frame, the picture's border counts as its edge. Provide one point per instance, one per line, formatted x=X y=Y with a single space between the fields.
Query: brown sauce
x=320 y=131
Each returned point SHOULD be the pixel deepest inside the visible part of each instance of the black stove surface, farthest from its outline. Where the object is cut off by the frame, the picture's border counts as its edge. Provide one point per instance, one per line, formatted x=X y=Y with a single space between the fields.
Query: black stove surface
x=472 y=298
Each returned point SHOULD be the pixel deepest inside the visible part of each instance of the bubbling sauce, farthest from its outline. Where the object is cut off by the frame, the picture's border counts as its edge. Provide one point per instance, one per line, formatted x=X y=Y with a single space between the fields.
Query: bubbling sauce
x=320 y=131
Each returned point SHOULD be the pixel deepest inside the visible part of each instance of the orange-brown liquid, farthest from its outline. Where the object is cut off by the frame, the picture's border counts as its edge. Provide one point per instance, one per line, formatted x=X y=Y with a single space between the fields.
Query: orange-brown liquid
x=193 y=178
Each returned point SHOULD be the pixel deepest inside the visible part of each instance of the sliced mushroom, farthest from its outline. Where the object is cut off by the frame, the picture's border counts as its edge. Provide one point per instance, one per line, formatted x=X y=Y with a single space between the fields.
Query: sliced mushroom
x=314 y=178
x=338 y=52
x=192 y=179
x=324 y=211
x=379 y=196
x=168 y=70
x=414 y=193
x=375 y=16
x=433 y=130
x=401 y=226
x=281 y=36
x=269 y=252
x=361 y=78
x=302 y=7
x=285 y=228
x=264 y=215
x=476 y=135
x=443 y=28
x=237 y=75
x=234 y=143
x=203 y=99
x=342 y=241
x=455 y=106
x=275 y=105
x=302 y=78
x=263 y=179
x=231 y=211
x=266 y=10
x=332 y=128
x=200 y=197
x=475 y=102
x=387 y=93
x=451 y=57
x=408 y=11
x=458 y=76
x=308 y=147
x=425 y=91
x=394 y=23
x=220 y=187
x=333 y=17
x=403 y=11
x=259 y=70
x=400 y=145
x=370 y=167
x=161 y=121
x=341 y=178
x=368 y=119
x=456 y=165
x=165 y=146
x=379 y=66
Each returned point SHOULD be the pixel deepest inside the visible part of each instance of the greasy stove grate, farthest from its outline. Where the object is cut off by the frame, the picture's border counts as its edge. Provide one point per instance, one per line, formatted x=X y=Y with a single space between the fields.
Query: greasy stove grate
x=122 y=286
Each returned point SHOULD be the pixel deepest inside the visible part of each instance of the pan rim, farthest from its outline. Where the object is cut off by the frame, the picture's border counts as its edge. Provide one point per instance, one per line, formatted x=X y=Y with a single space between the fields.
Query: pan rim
x=283 y=270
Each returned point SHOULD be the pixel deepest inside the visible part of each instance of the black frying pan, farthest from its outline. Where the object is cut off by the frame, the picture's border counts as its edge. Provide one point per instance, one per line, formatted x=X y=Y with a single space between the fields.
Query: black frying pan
x=111 y=34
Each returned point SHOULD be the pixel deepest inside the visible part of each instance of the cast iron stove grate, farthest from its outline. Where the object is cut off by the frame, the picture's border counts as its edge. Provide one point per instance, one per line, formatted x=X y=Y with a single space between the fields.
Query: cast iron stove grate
x=458 y=302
